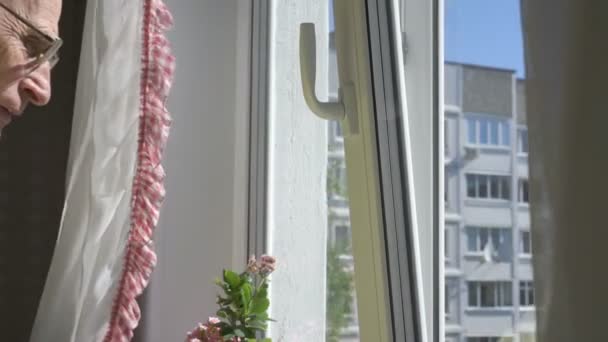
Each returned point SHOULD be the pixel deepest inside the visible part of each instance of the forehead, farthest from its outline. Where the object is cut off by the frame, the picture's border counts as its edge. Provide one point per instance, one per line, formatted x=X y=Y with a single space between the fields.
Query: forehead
x=42 y=13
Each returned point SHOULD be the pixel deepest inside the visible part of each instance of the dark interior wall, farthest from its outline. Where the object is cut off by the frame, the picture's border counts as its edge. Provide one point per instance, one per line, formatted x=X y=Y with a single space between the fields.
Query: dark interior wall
x=33 y=158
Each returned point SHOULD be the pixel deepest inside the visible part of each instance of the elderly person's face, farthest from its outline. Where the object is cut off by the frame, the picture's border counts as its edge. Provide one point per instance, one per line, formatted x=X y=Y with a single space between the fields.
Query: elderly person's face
x=23 y=77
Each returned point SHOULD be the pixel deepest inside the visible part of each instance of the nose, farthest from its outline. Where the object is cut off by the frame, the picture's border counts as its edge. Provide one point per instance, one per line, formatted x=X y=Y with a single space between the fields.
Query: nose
x=36 y=87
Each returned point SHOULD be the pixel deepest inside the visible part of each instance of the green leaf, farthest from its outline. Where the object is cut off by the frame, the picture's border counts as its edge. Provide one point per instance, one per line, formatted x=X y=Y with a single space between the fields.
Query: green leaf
x=260 y=305
x=258 y=325
x=232 y=279
x=246 y=296
x=262 y=292
x=239 y=333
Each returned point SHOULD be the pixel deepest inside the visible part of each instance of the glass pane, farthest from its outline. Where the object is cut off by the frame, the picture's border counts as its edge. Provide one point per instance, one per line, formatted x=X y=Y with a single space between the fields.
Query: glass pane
x=472 y=292
x=506 y=187
x=494 y=132
x=483 y=186
x=489 y=76
x=494 y=184
x=471 y=186
x=506 y=134
x=488 y=296
x=483 y=131
x=309 y=221
x=483 y=238
x=471 y=131
x=472 y=239
x=523 y=140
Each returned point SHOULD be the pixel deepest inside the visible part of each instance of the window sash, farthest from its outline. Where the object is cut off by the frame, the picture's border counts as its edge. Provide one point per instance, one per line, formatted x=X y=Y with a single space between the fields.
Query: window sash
x=489 y=294
x=487 y=131
x=493 y=187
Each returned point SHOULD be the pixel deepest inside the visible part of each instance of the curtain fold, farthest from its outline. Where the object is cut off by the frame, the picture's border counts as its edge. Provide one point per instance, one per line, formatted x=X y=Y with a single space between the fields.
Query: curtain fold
x=566 y=81
x=104 y=257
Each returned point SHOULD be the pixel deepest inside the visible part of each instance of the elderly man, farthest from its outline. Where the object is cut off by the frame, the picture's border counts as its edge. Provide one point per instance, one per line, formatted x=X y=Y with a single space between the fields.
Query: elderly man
x=28 y=51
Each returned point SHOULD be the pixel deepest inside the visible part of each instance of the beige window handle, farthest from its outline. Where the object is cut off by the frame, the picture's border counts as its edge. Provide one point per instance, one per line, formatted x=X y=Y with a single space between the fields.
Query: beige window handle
x=308 y=70
x=345 y=107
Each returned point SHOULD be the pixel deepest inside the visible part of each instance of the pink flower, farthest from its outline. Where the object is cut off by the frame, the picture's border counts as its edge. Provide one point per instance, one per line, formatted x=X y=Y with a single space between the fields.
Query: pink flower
x=252 y=265
x=267 y=264
x=207 y=332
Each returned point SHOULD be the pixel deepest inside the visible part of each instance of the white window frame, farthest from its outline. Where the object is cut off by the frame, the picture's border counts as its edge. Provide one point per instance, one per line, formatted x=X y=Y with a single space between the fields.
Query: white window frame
x=529 y=297
x=503 y=233
x=384 y=224
x=485 y=338
x=520 y=191
x=520 y=130
x=488 y=185
x=500 y=288
x=522 y=244
x=501 y=122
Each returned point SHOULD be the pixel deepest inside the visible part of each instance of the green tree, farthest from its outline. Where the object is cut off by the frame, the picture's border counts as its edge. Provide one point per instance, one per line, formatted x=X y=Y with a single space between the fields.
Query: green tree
x=339 y=292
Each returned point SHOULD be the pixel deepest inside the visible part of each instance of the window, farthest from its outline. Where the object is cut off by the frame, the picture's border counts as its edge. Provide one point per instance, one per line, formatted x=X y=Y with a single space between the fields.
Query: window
x=522 y=140
x=523 y=191
x=485 y=339
x=526 y=293
x=342 y=236
x=447 y=300
x=478 y=238
x=488 y=186
x=336 y=175
x=490 y=294
x=487 y=131
x=446 y=239
x=525 y=242
x=337 y=130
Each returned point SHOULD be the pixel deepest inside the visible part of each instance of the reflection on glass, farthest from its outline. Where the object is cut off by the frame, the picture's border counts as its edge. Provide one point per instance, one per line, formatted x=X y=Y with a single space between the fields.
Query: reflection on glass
x=490 y=282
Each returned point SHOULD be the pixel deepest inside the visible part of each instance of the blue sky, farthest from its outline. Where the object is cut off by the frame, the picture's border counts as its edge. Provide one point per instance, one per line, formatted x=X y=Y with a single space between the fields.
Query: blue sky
x=485 y=32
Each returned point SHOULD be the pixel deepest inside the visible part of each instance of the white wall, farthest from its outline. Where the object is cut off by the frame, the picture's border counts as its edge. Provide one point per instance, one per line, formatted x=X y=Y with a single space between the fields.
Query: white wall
x=205 y=167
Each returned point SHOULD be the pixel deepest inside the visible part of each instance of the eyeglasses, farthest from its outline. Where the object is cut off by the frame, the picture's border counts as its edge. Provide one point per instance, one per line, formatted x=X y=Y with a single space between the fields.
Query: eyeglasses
x=47 y=47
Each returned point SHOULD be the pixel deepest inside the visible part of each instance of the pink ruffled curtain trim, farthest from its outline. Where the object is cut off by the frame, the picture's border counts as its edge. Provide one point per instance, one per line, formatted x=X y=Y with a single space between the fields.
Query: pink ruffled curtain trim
x=158 y=65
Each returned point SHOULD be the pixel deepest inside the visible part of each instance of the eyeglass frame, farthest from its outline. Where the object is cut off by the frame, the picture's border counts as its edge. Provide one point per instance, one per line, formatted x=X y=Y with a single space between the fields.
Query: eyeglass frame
x=49 y=55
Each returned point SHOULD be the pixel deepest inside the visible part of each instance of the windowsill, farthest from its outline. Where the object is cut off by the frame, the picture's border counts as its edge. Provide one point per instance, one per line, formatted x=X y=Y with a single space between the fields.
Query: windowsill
x=522 y=155
x=500 y=309
x=527 y=308
x=487 y=202
x=469 y=254
x=525 y=256
x=523 y=205
x=490 y=148
x=480 y=255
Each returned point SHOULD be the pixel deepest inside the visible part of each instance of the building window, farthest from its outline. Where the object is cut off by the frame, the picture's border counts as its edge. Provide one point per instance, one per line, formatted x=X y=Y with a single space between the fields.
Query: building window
x=486 y=339
x=478 y=238
x=523 y=191
x=522 y=140
x=490 y=294
x=447 y=300
x=342 y=236
x=446 y=241
x=445 y=137
x=488 y=131
x=488 y=186
x=338 y=130
x=526 y=293
x=525 y=242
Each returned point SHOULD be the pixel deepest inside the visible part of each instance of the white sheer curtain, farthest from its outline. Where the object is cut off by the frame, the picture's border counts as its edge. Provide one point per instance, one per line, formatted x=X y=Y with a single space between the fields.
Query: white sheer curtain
x=567 y=73
x=103 y=258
